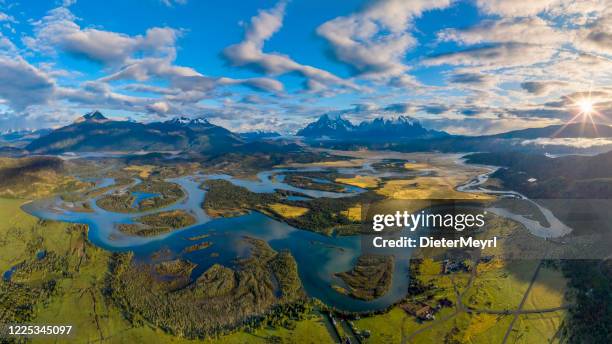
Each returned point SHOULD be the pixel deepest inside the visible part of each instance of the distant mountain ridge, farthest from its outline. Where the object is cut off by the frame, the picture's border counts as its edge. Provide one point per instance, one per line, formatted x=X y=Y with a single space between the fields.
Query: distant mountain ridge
x=259 y=135
x=23 y=135
x=95 y=132
x=572 y=130
x=378 y=129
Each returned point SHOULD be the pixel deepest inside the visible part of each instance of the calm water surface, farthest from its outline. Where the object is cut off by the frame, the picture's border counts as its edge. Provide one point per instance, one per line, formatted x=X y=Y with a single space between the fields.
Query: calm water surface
x=318 y=257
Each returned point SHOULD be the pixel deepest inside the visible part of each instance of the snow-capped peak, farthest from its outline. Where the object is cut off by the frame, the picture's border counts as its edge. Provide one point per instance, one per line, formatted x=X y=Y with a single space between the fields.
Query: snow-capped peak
x=402 y=119
x=188 y=121
x=200 y=120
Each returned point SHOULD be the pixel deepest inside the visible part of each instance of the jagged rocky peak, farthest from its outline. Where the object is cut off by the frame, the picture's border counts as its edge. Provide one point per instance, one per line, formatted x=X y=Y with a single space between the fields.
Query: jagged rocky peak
x=390 y=122
x=336 y=127
x=95 y=116
x=334 y=121
x=403 y=119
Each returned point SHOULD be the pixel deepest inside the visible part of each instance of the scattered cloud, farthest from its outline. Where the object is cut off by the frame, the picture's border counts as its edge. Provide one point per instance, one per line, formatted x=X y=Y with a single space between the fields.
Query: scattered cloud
x=435 y=109
x=6 y=18
x=531 y=30
x=523 y=64
x=171 y=3
x=23 y=85
x=541 y=87
x=495 y=56
x=249 y=53
x=375 y=40
x=469 y=78
x=59 y=30
x=68 y=3
x=514 y=8
x=597 y=37
x=570 y=142
x=159 y=107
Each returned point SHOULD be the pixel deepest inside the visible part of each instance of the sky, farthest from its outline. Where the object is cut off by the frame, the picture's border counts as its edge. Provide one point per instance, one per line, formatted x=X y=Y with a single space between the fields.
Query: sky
x=465 y=66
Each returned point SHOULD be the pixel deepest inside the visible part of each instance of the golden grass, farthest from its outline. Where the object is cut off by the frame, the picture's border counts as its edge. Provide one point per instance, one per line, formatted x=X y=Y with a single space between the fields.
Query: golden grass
x=353 y=213
x=446 y=173
x=335 y=163
x=430 y=187
x=360 y=181
x=288 y=211
x=478 y=325
x=144 y=171
x=34 y=184
x=416 y=166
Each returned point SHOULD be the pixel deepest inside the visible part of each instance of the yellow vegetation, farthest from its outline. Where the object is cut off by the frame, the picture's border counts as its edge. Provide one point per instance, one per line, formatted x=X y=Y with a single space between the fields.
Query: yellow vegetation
x=288 y=211
x=429 y=267
x=416 y=166
x=360 y=181
x=353 y=213
x=430 y=187
x=336 y=163
x=35 y=177
x=493 y=264
x=144 y=171
x=479 y=324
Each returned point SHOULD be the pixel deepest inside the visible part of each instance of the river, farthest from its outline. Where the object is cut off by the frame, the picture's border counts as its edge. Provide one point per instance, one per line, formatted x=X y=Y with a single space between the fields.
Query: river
x=318 y=256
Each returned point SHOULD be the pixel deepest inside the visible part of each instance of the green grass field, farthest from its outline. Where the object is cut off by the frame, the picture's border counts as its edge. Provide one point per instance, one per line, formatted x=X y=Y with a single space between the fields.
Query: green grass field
x=501 y=288
x=537 y=328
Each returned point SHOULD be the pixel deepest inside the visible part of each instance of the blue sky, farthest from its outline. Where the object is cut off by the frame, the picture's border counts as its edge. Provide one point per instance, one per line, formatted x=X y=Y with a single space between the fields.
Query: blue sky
x=468 y=67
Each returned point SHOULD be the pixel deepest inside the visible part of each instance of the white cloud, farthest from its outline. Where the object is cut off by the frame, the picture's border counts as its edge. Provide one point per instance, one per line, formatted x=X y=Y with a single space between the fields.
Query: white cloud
x=570 y=142
x=206 y=84
x=577 y=11
x=5 y=17
x=68 y=3
x=375 y=40
x=23 y=85
x=494 y=57
x=514 y=8
x=597 y=37
x=145 y=68
x=171 y=3
x=541 y=87
x=100 y=95
x=159 y=107
x=471 y=78
x=249 y=52
x=39 y=117
x=59 y=30
x=6 y=46
x=532 y=30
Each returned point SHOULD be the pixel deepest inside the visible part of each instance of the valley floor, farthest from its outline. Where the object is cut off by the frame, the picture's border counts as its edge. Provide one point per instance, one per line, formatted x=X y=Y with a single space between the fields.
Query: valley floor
x=55 y=275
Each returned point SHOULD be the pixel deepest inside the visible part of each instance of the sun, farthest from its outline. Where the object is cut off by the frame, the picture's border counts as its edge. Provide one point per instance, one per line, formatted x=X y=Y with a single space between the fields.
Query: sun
x=586 y=106
x=586 y=113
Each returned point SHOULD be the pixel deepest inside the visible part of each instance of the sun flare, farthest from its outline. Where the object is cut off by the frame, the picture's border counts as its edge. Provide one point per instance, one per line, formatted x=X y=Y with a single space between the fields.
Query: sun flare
x=586 y=106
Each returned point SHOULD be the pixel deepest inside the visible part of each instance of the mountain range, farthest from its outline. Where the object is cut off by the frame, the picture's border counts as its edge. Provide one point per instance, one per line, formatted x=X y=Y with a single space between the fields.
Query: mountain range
x=571 y=130
x=16 y=136
x=259 y=135
x=95 y=132
x=379 y=129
